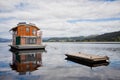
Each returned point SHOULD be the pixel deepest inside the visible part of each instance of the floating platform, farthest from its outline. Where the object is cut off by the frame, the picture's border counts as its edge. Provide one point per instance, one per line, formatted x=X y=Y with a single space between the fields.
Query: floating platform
x=27 y=47
x=82 y=62
x=90 y=58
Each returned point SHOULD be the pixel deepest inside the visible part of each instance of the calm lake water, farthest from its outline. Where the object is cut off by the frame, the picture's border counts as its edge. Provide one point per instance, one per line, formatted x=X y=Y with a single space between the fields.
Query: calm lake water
x=52 y=65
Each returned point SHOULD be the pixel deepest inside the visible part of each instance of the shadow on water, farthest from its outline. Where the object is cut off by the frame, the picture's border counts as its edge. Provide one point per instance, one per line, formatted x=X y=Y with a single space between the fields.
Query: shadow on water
x=82 y=62
x=24 y=61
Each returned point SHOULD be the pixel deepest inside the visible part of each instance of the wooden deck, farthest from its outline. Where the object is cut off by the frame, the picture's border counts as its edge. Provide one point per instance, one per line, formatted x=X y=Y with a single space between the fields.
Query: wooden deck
x=87 y=57
x=97 y=64
x=27 y=47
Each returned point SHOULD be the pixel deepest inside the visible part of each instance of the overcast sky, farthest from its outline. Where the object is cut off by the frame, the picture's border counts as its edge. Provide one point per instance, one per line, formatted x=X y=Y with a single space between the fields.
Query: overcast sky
x=61 y=18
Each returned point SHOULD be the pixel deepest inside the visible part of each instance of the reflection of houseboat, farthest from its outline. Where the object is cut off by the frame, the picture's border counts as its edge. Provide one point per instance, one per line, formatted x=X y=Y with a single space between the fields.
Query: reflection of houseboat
x=26 y=36
x=26 y=61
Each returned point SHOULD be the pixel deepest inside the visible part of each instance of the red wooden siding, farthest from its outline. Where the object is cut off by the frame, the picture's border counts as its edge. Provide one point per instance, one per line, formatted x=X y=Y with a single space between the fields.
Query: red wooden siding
x=21 y=30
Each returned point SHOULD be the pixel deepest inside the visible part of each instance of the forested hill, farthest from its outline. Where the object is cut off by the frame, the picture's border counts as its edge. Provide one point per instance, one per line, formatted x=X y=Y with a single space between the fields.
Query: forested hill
x=113 y=36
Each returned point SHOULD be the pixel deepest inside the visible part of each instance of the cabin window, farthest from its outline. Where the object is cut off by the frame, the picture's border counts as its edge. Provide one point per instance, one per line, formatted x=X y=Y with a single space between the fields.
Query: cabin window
x=34 y=32
x=31 y=41
x=27 y=29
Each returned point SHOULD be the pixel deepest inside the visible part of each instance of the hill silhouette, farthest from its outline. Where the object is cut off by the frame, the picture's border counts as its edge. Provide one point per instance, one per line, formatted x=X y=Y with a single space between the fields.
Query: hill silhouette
x=113 y=36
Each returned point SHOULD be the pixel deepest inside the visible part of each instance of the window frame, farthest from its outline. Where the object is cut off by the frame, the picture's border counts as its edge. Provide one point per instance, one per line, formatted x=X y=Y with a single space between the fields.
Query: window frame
x=27 y=29
x=31 y=40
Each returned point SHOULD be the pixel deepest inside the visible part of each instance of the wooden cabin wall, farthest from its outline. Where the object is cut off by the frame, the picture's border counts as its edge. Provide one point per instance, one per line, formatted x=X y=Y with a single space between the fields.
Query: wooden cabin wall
x=21 y=30
x=23 y=41
x=31 y=31
x=14 y=39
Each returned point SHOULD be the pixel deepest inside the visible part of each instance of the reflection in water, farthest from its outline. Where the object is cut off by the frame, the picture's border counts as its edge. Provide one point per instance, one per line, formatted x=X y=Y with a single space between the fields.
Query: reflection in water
x=101 y=63
x=26 y=60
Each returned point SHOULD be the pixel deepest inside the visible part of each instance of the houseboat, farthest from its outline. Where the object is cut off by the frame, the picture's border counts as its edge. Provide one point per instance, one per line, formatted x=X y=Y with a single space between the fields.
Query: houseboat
x=26 y=36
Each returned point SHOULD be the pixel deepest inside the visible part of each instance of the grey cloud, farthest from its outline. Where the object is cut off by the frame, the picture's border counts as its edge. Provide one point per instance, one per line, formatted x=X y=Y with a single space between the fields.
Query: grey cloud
x=52 y=16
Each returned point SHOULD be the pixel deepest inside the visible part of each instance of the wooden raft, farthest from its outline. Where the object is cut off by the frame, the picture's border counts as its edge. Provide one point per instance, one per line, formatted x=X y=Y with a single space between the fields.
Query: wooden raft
x=87 y=57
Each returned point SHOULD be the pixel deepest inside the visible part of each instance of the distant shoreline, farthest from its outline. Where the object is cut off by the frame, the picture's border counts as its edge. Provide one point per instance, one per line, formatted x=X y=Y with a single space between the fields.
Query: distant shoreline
x=87 y=42
x=99 y=42
x=79 y=42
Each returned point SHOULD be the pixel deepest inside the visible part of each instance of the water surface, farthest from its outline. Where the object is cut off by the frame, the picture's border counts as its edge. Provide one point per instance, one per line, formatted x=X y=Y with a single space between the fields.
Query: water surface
x=51 y=64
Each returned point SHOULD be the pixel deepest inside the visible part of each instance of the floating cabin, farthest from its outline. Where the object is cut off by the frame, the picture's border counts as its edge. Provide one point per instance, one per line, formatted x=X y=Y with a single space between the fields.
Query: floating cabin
x=26 y=36
x=89 y=58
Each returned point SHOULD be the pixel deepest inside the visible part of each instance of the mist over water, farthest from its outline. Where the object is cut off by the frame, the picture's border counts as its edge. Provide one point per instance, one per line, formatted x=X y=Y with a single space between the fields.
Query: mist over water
x=52 y=65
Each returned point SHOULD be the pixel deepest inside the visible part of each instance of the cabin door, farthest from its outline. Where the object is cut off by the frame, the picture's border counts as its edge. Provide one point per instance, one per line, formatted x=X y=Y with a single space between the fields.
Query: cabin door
x=17 y=40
